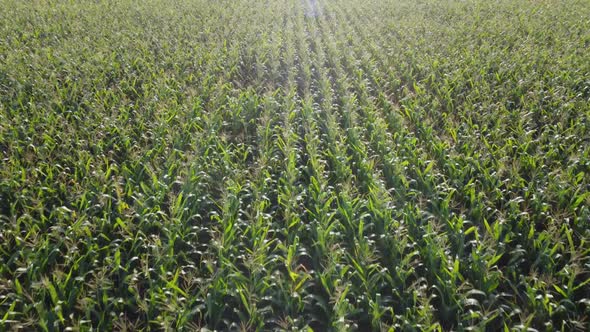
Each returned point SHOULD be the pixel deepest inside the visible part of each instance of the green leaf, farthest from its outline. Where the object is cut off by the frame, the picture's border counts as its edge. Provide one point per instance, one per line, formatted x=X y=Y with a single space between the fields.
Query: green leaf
x=560 y=291
x=18 y=287
x=8 y=312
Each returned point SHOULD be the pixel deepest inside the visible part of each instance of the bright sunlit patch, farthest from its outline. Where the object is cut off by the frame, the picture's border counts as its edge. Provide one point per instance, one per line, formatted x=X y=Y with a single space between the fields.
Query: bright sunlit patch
x=313 y=8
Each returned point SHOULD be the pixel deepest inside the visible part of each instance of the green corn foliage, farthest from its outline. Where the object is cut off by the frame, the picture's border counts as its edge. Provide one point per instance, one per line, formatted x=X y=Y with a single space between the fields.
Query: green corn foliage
x=313 y=165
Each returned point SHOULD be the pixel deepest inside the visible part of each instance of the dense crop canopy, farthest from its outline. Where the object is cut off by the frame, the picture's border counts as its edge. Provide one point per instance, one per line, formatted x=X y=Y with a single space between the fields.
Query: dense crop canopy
x=295 y=165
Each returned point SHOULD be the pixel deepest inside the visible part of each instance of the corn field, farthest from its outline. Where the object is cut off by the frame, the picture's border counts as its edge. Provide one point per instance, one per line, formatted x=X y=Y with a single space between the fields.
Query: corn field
x=295 y=165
